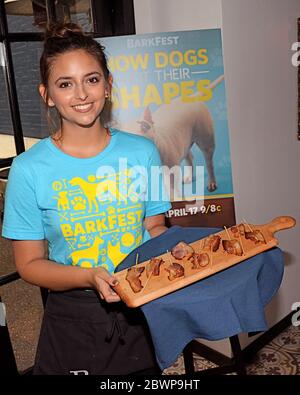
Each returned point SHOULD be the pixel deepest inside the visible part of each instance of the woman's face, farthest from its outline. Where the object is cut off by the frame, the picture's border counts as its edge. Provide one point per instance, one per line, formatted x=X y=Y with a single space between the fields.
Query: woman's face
x=77 y=88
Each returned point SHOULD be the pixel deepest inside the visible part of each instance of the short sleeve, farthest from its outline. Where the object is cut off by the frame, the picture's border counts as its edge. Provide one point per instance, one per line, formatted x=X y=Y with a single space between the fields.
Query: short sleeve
x=22 y=216
x=158 y=201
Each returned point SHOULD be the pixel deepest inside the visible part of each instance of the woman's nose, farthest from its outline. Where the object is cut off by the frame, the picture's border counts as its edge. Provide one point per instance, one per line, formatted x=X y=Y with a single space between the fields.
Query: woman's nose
x=81 y=93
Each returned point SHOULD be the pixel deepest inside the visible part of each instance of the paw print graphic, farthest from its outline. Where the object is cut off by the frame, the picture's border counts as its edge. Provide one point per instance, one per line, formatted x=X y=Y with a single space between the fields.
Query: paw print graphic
x=79 y=203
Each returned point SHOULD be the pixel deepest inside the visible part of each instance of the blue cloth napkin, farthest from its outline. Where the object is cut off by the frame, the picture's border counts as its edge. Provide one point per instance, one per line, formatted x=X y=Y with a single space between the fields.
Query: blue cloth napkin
x=217 y=307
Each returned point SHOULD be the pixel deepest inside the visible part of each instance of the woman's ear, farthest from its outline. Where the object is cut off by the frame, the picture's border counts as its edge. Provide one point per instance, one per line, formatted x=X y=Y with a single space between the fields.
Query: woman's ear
x=47 y=99
x=109 y=84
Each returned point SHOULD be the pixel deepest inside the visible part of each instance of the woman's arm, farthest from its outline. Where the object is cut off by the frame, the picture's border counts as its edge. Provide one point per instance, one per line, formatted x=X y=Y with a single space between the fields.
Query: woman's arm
x=33 y=267
x=155 y=224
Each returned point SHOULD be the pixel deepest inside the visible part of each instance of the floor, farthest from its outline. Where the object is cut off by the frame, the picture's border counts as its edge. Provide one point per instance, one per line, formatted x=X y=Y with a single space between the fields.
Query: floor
x=279 y=357
x=24 y=313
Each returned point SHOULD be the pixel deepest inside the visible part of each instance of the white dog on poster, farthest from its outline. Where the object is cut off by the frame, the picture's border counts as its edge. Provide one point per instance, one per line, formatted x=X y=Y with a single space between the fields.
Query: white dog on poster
x=175 y=127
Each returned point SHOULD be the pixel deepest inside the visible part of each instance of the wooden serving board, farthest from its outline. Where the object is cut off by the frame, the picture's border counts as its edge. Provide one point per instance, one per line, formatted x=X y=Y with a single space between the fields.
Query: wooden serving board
x=158 y=286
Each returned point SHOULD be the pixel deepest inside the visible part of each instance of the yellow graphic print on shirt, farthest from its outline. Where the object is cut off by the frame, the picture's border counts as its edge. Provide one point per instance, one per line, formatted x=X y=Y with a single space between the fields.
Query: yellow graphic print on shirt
x=100 y=219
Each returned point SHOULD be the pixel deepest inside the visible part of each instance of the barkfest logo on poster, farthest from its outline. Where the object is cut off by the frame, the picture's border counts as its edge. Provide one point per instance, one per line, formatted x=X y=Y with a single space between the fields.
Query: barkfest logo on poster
x=169 y=87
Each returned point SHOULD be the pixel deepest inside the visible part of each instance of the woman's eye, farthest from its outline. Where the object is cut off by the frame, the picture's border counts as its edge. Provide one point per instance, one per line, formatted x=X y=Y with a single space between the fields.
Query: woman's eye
x=64 y=85
x=93 y=80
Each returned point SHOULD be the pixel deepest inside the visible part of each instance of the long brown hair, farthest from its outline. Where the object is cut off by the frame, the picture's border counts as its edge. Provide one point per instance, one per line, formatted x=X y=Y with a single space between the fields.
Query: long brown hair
x=65 y=37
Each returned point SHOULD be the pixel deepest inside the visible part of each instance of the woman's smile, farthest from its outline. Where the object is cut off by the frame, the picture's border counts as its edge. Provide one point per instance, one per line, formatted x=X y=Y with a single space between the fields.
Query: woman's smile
x=83 y=108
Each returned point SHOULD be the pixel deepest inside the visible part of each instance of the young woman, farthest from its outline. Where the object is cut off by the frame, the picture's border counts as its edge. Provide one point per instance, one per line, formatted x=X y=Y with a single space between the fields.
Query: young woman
x=77 y=191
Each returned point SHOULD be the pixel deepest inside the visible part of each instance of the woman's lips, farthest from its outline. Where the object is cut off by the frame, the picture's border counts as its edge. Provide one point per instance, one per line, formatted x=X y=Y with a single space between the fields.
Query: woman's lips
x=83 y=107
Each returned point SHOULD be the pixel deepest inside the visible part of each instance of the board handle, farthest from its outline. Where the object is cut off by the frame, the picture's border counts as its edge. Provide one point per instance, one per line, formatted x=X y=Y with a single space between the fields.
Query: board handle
x=280 y=223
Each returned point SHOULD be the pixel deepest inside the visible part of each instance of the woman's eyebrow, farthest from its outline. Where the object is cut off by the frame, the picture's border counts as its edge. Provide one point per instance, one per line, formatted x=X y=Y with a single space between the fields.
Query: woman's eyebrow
x=69 y=78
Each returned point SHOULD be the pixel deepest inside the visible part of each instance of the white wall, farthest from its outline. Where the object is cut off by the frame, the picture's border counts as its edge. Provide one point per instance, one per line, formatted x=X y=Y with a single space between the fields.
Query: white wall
x=262 y=109
x=152 y=16
x=261 y=86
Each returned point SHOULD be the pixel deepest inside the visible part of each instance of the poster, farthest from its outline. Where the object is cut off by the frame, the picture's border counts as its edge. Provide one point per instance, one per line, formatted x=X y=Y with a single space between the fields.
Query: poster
x=170 y=87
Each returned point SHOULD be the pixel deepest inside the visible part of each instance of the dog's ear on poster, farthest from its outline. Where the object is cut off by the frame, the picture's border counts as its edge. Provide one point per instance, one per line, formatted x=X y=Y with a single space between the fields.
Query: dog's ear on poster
x=146 y=123
x=148 y=115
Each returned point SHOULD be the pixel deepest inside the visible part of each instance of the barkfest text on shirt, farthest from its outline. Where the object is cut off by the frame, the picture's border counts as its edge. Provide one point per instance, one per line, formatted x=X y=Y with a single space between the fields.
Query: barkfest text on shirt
x=173 y=70
x=110 y=222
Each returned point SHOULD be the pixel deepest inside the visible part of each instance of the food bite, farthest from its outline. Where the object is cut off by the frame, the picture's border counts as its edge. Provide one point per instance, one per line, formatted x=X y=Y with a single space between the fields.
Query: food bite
x=212 y=243
x=182 y=250
x=255 y=236
x=175 y=271
x=232 y=247
x=199 y=260
x=153 y=266
x=133 y=277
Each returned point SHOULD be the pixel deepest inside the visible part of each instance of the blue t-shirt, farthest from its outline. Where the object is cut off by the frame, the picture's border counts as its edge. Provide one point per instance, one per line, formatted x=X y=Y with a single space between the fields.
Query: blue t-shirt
x=91 y=210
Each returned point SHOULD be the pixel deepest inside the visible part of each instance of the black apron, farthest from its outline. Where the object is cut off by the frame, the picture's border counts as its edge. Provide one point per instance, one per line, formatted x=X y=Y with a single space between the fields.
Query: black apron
x=81 y=334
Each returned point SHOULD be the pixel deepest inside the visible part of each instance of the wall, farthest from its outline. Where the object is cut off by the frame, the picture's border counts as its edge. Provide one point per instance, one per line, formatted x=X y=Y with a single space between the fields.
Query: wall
x=262 y=109
x=261 y=86
x=170 y=15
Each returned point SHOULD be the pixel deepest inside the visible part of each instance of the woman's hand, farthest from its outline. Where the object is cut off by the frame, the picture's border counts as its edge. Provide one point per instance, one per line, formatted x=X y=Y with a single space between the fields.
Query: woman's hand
x=103 y=282
x=155 y=224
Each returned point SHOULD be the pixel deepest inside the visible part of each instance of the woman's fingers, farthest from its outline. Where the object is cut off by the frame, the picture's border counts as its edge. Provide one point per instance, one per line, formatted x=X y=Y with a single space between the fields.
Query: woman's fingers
x=107 y=292
x=113 y=298
x=103 y=281
x=102 y=273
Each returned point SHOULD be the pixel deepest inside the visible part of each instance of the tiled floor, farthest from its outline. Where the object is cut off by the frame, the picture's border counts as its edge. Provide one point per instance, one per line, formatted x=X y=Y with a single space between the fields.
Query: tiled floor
x=279 y=357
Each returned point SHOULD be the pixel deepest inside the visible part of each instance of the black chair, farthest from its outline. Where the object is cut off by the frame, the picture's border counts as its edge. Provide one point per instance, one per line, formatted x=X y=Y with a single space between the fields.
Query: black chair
x=225 y=364
x=8 y=365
